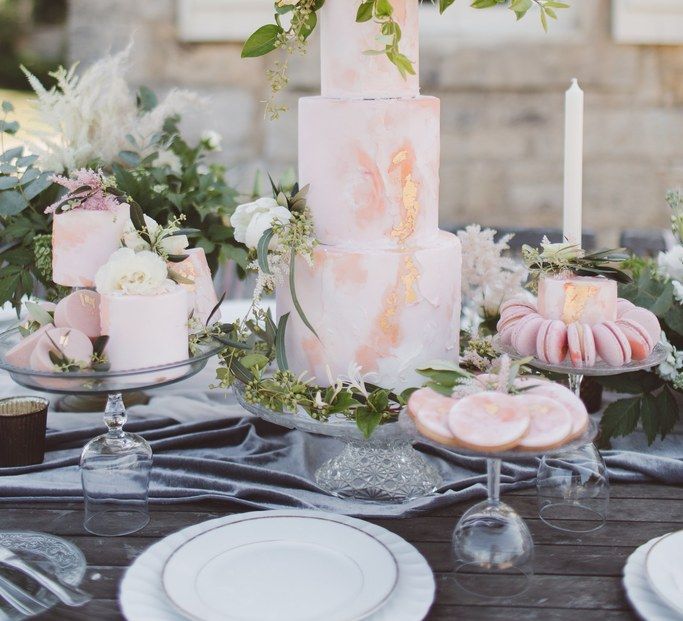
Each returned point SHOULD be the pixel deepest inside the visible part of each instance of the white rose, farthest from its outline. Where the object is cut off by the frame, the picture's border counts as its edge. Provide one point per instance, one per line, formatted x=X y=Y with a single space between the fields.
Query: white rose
x=173 y=244
x=561 y=250
x=251 y=220
x=133 y=273
x=671 y=263
x=212 y=140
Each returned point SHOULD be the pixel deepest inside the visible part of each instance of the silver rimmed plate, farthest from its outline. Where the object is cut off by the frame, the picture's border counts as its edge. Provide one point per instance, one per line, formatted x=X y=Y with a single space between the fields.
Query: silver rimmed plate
x=281 y=568
x=143 y=598
x=664 y=569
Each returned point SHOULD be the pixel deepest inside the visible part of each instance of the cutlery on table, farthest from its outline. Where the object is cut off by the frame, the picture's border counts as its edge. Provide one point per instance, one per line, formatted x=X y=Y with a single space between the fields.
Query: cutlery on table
x=19 y=599
x=69 y=595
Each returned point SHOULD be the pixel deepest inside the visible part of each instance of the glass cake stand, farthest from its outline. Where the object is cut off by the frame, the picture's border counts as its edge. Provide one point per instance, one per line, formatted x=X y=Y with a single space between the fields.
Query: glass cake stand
x=115 y=466
x=492 y=547
x=383 y=468
x=573 y=485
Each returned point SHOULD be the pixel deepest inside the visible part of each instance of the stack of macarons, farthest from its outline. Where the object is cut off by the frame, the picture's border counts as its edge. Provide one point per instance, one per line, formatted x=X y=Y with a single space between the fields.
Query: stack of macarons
x=633 y=335
x=543 y=416
x=74 y=325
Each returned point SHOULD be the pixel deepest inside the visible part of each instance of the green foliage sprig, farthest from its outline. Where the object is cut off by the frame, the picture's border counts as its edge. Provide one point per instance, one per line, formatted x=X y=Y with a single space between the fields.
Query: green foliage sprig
x=519 y=7
x=255 y=344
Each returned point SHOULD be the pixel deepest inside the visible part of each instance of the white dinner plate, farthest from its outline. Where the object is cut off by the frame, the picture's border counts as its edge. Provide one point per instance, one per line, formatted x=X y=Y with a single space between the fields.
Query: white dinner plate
x=644 y=600
x=142 y=596
x=664 y=569
x=281 y=568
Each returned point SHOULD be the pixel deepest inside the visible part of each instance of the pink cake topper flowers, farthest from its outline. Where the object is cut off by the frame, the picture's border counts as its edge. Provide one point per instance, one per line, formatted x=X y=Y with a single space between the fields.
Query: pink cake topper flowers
x=87 y=189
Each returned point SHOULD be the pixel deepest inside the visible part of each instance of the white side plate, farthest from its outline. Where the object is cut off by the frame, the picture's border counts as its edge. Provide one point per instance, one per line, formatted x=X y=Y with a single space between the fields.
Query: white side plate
x=664 y=569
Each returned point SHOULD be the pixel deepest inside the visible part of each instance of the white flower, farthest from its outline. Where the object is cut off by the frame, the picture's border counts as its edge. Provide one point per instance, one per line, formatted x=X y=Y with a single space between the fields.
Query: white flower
x=212 y=140
x=133 y=273
x=281 y=3
x=678 y=291
x=670 y=369
x=671 y=263
x=161 y=241
x=170 y=160
x=561 y=250
x=356 y=378
x=251 y=220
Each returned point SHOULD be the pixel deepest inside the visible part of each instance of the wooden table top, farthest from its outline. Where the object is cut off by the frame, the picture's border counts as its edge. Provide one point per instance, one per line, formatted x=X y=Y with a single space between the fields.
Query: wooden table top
x=577 y=576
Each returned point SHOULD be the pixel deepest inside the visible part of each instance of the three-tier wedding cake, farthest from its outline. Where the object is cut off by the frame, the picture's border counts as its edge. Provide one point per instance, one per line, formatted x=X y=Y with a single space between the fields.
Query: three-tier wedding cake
x=384 y=288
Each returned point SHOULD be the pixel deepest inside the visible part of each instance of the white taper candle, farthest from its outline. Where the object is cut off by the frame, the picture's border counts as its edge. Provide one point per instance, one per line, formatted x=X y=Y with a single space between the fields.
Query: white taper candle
x=573 y=164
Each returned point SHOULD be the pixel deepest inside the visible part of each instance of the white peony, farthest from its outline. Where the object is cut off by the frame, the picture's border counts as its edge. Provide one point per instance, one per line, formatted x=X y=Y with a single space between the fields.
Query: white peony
x=251 y=220
x=561 y=250
x=170 y=244
x=671 y=263
x=212 y=140
x=133 y=273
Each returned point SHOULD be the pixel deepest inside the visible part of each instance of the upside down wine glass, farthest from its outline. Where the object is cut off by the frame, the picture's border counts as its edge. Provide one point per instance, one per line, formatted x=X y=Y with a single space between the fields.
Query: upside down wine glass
x=492 y=546
x=115 y=471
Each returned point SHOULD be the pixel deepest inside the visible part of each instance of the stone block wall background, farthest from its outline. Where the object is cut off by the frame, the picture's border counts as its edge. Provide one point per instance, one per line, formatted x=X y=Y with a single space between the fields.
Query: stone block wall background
x=502 y=111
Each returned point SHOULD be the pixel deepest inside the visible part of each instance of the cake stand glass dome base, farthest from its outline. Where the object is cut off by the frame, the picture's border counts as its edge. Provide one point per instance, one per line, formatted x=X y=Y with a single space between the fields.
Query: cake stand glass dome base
x=383 y=468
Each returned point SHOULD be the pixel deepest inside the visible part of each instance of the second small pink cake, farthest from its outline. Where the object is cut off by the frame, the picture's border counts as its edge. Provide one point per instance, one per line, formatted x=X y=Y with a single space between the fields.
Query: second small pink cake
x=577 y=298
x=145 y=330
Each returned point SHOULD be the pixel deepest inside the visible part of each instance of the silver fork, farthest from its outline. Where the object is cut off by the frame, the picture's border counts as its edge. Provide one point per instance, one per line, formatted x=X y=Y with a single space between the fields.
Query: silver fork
x=19 y=599
x=70 y=595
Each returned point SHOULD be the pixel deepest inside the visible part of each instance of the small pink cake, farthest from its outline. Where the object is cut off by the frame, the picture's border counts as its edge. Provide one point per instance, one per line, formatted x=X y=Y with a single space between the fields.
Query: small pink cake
x=577 y=298
x=145 y=330
x=202 y=297
x=82 y=241
x=70 y=343
x=80 y=310
x=20 y=354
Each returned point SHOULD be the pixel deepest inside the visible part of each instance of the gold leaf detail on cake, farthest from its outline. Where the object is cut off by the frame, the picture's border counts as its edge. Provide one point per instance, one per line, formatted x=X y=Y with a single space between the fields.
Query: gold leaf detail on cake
x=401 y=156
x=409 y=279
x=87 y=300
x=576 y=297
x=410 y=210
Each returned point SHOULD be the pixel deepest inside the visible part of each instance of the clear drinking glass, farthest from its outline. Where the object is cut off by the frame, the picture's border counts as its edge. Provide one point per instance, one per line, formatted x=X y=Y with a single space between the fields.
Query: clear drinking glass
x=573 y=490
x=115 y=471
x=492 y=546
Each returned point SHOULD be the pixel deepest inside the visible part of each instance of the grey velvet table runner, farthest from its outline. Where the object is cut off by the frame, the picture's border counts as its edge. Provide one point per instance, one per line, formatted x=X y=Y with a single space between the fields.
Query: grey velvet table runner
x=248 y=463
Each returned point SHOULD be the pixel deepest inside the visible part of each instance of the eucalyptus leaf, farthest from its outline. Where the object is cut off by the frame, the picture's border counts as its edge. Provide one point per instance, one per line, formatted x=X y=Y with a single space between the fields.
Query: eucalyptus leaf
x=280 y=350
x=7 y=183
x=263 y=41
x=12 y=203
x=292 y=290
x=215 y=309
x=262 y=250
x=37 y=313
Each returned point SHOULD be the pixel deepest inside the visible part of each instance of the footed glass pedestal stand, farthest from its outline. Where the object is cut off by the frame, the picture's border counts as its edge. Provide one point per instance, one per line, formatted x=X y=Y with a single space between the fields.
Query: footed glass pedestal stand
x=573 y=485
x=384 y=468
x=116 y=466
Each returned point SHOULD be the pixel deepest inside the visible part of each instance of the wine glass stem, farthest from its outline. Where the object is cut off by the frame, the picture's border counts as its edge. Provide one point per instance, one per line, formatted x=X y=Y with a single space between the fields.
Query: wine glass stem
x=115 y=414
x=493 y=480
x=575 y=381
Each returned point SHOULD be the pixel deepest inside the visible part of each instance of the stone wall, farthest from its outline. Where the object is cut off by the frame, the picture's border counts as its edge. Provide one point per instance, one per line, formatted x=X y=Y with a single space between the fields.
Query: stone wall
x=502 y=107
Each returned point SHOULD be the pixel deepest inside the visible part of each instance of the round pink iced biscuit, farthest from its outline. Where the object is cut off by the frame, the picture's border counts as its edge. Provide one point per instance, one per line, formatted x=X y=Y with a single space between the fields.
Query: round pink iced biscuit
x=638 y=338
x=551 y=342
x=647 y=319
x=20 y=354
x=581 y=343
x=525 y=334
x=488 y=421
x=611 y=344
x=429 y=410
x=623 y=306
x=564 y=396
x=551 y=422
x=71 y=343
x=80 y=310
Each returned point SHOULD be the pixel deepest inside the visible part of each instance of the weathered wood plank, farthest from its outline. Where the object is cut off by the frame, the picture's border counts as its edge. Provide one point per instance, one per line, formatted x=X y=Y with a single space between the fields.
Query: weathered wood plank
x=492 y=613
x=96 y=610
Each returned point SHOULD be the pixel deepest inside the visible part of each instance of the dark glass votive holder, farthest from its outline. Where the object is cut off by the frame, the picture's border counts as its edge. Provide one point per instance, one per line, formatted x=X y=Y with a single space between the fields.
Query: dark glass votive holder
x=23 y=424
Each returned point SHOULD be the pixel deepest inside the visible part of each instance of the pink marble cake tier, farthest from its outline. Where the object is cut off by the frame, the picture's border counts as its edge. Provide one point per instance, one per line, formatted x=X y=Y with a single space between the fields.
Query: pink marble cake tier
x=82 y=241
x=387 y=311
x=145 y=330
x=373 y=167
x=584 y=299
x=202 y=297
x=347 y=71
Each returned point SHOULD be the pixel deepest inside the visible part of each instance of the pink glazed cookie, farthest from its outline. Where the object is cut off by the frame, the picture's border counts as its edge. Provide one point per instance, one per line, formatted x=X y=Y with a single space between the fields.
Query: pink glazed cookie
x=551 y=422
x=80 y=310
x=71 y=343
x=488 y=421
x=581 y=343
x=20 y=354
x=551 y=342
x=638 y=338
x=611 y=344
x=525 y=333
x=429 y=410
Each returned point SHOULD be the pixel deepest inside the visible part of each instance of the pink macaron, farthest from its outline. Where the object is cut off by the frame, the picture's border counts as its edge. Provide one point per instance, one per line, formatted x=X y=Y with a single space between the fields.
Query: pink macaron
x=516 y=304
x=551 y=341
x=645 y=318
x=624 y=306
x=525 y=333
x=638 y=337
x=80 y=310
x=581 y=343
x=67 y=342
x=611 y=344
